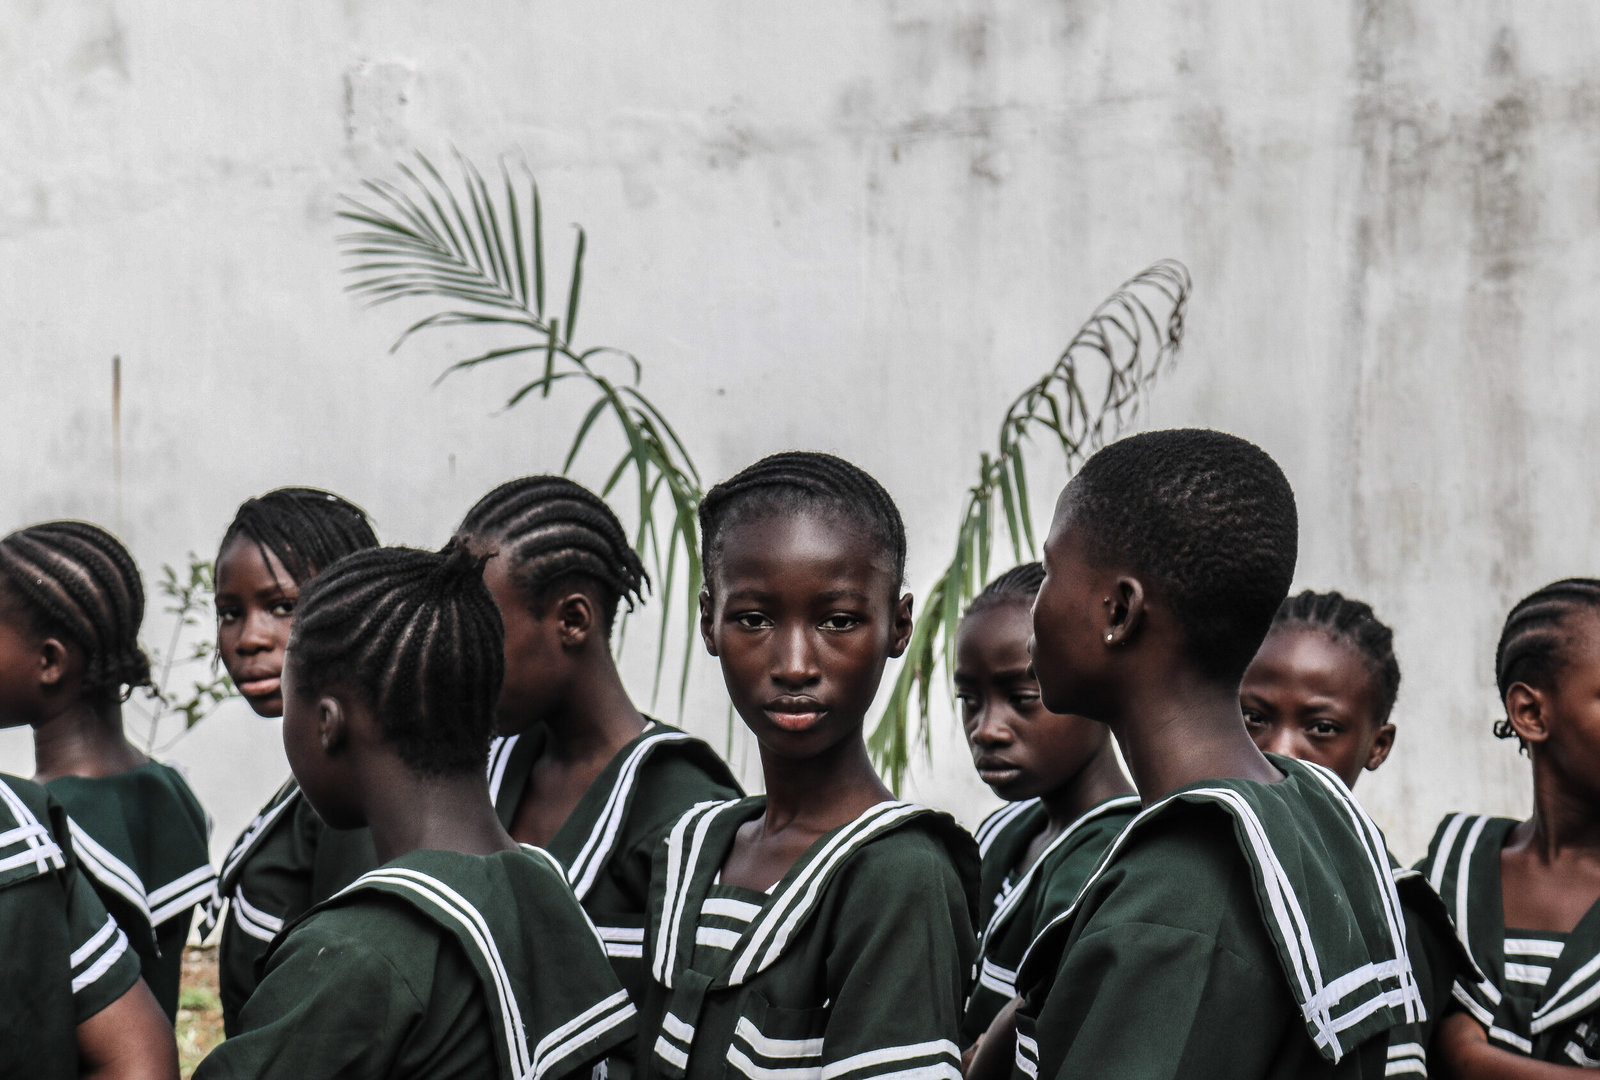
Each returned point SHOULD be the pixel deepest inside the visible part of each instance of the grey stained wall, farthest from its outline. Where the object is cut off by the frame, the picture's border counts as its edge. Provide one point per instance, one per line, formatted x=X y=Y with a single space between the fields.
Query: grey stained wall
x=858 y=226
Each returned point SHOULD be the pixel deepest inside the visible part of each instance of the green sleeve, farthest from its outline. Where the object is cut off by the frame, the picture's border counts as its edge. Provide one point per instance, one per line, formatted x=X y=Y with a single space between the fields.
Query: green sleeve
x=897 y=962
x=1171 y=959
x=104 y=966
x=331 y=1002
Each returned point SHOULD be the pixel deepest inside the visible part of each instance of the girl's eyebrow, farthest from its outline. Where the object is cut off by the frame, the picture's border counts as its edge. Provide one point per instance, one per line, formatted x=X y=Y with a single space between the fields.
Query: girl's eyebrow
x=844 y=594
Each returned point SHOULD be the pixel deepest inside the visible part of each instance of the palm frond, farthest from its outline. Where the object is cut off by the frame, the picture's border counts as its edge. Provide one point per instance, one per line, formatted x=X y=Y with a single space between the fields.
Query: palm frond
x=1130 y=338
x=480 y=251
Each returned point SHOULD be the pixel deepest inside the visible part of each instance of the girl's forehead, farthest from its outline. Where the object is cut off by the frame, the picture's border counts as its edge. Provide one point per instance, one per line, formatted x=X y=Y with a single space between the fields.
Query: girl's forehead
x=800 y=545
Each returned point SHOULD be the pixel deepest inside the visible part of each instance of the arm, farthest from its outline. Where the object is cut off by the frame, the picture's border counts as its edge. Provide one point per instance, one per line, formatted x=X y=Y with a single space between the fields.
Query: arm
x=991 y=1057
x=1464 y=1047
x=130 y=1039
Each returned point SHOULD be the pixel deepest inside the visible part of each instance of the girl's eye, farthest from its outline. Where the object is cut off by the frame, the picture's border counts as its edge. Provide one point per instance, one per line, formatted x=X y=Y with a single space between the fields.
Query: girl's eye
x=967 y=701
x=282 y=608
x=1253 y=718
x=1024 y=701
x=752 y=620
x=840 y=621
x=1326 y=729
x=227 y=614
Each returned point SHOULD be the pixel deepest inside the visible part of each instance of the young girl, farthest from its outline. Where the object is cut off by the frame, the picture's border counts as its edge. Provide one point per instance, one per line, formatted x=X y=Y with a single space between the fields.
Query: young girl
x=1245 y=924
x=1321 y=689
x=464 y=955
x=580 y=771
x=69 y=984
x=286 y=860
x=72 y=602
x=824 y=928
x=1526 y=894
x=1067 y=796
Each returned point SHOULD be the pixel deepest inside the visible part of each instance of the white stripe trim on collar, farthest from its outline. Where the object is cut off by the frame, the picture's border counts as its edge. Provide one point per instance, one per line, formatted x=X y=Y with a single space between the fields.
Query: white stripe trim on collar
x=993 y=826
x=461 y=911
x=1009 y=903
x=257 y=828
x=108 y=870
x=602 y=837
x=41 y=847
x=680 y=869
x=499 y=757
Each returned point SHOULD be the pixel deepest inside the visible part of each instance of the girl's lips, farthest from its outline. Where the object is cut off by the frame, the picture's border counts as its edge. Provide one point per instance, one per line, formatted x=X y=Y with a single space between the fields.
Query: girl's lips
x=998 y=774
x=790 y=720
x=254 y=688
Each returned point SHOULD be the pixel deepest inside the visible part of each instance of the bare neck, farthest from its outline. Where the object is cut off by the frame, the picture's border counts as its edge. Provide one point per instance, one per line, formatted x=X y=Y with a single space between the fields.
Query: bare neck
x=597 y=717
x=1101 y=778
x=84 y=739
x=820 y=793
x=1180 y=729
x=453 y=813
x=1565 y=822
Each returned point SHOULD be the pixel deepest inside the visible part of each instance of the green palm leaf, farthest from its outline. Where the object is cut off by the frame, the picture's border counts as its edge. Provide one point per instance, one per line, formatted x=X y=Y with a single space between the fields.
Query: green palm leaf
x=1129 y=339
x=480 y=251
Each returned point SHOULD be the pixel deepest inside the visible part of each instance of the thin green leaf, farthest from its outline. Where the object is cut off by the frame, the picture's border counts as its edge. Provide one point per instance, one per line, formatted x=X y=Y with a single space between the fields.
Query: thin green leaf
x=576 y=286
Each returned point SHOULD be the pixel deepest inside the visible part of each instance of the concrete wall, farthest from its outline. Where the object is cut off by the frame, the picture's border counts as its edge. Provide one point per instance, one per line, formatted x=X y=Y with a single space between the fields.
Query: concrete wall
x=857 y=226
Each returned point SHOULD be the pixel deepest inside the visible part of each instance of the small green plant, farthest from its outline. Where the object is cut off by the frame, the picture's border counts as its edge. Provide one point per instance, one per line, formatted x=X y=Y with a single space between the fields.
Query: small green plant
x=1087 y=396
x=188 y=593
x=481 y=250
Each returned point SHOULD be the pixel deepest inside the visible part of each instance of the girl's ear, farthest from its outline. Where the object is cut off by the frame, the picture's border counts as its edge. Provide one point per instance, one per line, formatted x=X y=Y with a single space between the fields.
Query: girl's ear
x=333 y=724
x=1526 y=713
x=54 y=660
x=575 y=620
x=707 y=616
x=1382 y=743
x=1124 y=611
x=900 y=635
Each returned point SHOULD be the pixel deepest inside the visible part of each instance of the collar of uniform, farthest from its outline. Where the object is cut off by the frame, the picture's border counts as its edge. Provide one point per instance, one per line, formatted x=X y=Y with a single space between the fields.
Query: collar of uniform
x=1008 y=906
x=1343 y=951
x=227 y=881
x=695 y=850
x=27 y=847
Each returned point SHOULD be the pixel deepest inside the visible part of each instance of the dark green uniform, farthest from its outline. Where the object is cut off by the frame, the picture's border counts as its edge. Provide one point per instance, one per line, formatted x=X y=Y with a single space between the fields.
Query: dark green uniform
x=1538 y=993
x=1235 y=930
x=853 y=966
x=1012 y=909
x=607 y=843
x=1438 y=959
x=283 y=863
x=434 y=965
x=141 y=837
x=64 y=958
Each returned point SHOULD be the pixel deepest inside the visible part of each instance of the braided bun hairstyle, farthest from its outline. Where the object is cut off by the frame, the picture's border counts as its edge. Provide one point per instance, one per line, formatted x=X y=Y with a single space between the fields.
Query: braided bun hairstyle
x=75 y=581
x=796 y=481
x=554 y=533
x=418 y=635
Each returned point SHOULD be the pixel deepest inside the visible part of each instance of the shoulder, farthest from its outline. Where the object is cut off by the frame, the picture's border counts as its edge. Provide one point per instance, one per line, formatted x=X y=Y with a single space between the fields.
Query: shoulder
x=921 y=850
x=670 y=760
x=365 y=938
x=33 y=831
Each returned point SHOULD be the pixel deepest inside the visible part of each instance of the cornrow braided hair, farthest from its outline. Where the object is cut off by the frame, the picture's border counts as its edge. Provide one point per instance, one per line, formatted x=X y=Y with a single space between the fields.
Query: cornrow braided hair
x=1532 y=647
x=1354 y=623
x=1019 y=585
x=552 y=531
x=801 y=480
x=419 y=635
x=306 y=529
x=77 y=581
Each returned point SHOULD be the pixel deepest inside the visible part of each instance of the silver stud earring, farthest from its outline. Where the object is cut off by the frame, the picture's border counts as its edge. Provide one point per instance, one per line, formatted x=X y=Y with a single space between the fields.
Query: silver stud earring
x=1108 y=638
